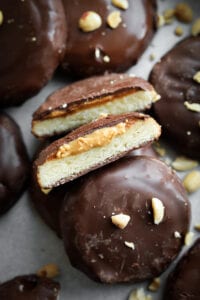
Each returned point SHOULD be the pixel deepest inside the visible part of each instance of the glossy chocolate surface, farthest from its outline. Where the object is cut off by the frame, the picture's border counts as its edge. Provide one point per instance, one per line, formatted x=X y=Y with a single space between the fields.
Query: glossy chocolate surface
x=14 y=163
x=183 y=283
x=48 y=205
x=97 y=247
x=32 y=38
x=123 y=45
x=29 y=287
x=173 y=80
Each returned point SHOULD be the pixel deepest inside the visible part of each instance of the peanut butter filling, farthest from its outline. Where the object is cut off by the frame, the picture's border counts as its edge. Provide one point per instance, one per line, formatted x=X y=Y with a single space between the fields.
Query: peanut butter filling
x=98 y=138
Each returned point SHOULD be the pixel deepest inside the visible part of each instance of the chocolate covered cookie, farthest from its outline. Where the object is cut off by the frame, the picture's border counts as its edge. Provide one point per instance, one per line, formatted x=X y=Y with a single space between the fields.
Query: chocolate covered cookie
x=92 y=146
x=177 y=81
x=49 y=204
x=29 y=287
x=14 y=163
x=183 y=283
x=89 y=99
x=32 y=35
x=106 y=35
x=119 y=222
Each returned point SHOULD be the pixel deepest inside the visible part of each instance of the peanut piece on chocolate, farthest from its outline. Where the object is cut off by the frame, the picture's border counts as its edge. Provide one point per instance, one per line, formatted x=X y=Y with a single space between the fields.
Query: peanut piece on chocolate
x=114 y=19
x=90 y=21
x=1 y=17
x=120 y=220
x=123 y=4
x=158 y=210
x=196 y=77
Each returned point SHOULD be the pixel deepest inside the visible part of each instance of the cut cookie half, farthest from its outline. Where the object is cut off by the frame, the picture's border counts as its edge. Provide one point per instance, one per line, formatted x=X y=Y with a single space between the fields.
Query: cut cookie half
x=92 y=146
x=86 y=100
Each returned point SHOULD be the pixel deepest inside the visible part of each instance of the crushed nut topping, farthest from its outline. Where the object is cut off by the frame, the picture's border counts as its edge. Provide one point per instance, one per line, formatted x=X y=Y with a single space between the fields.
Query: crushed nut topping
x=120 y=220
x=152 y=56
x=114 y=19
x=130 y=245
x=192 y=106
x=49 y=271
x=188 y=238
x=178 y=31
x=154 y=285
x=177 y=235
x=139 y=294
x=196 y=77
x=196 y=27
x=160 y=21
x=1 y=17
x=123 y=4
x=168 y=15
x=158 y=210
x=90 y=21
x=46 y=191
x=182 y=163
x=191 y=181
x=159 y=150
x=183 y=12
x=106 y=59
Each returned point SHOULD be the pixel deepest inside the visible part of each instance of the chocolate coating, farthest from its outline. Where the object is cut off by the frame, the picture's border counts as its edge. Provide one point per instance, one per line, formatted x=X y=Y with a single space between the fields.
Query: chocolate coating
x=48 y=205
x=123 y=45
x=29 y=287
x=14 y=163
x=183 y=283
x=97 y=247
x=173 y=80
x=32 y=39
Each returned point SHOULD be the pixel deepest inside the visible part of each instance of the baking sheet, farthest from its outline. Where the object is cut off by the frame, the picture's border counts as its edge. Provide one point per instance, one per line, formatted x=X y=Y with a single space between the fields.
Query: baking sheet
x=26 y=243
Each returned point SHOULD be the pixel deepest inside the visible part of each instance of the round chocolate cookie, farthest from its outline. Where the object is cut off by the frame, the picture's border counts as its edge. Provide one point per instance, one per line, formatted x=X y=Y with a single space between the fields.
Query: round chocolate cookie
x=110 y=223
x=32 y=36
x=175 y=79
x=14 y=163
x=183 y=283
x=29 y=287
x=106 y=48
x=49 y=205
